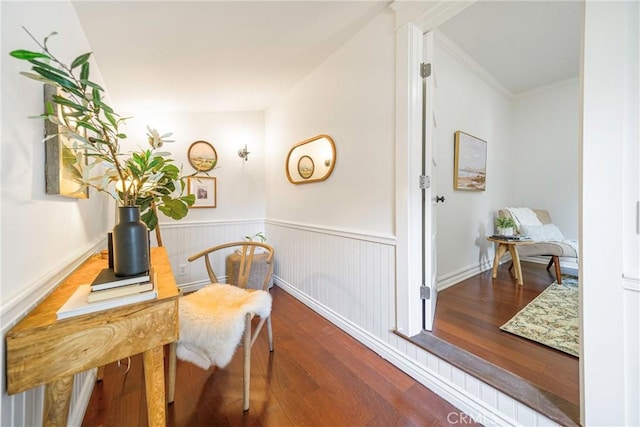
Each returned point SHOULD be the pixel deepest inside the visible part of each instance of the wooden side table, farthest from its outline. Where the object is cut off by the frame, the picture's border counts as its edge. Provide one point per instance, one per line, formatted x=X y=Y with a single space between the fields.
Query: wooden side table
x=510 y=246
x=43 y=350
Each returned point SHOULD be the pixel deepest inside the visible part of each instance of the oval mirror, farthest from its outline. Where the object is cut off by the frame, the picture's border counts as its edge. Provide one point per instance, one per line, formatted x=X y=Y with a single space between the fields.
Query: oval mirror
x=311 y=160
x=202 y=156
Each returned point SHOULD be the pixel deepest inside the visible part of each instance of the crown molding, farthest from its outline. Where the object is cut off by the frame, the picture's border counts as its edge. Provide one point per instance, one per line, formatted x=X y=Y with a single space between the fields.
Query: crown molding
x=463 y=57
x=550 y=86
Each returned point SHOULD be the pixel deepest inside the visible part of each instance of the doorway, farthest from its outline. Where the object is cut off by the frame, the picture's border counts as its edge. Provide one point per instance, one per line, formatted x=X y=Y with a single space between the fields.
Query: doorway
x=476 y=102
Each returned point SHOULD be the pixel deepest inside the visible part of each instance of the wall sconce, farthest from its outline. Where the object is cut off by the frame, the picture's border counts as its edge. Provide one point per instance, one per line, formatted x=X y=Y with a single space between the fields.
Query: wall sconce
x=243 y=153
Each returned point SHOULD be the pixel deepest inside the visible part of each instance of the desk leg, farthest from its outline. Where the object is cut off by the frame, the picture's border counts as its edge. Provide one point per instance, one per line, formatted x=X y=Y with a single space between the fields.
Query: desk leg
x=57 y=397
x=500 y=251
x=172 y=372
x=154 y=383
x=516 y=263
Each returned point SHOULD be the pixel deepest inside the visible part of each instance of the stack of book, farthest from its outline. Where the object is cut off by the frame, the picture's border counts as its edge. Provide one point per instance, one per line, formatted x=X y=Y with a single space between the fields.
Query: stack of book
x=108 y=291
x=515 y=237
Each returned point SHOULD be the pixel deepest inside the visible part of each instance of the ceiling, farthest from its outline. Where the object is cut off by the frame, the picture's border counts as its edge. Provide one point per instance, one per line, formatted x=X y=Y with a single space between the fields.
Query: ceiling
x=238 y=55
x=213 y=55
x=522 y=44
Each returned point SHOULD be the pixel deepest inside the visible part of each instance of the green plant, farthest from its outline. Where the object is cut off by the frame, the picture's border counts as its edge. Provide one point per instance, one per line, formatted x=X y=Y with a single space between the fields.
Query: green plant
x=146 y=178
x=258 y=236
x=504 y=222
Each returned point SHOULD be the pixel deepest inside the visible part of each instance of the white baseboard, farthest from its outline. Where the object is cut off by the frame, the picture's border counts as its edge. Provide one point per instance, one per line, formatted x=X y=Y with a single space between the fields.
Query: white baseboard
x=464 y=273
x=564 y=262
x=455 y=395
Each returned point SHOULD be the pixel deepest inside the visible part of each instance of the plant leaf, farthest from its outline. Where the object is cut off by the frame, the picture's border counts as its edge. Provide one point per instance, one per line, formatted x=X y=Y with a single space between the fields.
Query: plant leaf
x=80 y=60
x=61 y=81
x=27 y=54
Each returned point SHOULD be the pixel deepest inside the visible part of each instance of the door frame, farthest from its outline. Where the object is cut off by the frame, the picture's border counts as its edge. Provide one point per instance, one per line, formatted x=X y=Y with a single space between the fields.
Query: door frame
x=413 y=19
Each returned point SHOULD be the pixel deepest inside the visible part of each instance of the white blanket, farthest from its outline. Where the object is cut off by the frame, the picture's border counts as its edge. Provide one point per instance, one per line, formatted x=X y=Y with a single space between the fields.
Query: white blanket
x=212 y=322
x=524 y=216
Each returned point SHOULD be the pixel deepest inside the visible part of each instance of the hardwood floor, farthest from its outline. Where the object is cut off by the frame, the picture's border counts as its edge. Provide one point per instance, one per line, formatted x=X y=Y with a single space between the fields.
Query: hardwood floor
x=469 y=316
x=317 y=376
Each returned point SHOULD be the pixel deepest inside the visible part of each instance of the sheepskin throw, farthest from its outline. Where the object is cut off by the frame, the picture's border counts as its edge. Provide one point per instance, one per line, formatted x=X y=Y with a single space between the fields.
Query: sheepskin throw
x=212 y=322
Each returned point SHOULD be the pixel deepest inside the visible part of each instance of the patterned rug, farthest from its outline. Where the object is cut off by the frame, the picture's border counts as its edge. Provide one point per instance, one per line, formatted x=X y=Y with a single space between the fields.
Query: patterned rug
x=551 y=318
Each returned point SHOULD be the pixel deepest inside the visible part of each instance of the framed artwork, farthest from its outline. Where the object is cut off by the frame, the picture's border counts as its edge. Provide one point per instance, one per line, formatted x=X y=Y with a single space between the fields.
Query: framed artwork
x=470 y=163
x=202 y=156
x=204 y=188
x=305 y=167
x=63 y=164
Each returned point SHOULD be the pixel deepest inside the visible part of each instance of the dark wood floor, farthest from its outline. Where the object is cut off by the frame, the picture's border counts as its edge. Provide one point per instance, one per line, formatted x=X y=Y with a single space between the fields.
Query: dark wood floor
x=469 y=316
x=317 y=376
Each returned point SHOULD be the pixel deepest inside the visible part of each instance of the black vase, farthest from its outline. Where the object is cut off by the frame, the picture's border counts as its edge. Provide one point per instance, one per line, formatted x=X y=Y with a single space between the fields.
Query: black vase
x=130 y=243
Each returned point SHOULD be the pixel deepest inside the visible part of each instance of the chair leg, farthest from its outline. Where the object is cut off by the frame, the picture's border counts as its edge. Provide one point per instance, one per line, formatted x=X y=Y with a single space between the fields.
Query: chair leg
x=556 y=261
x=270 y=333
x=550 y=264
x=247 y=363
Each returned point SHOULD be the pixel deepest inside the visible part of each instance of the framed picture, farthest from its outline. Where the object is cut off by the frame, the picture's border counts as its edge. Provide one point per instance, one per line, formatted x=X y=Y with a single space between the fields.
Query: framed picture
x=202 y=156
x=470 y=163
x=63 y=164
x=204 y=188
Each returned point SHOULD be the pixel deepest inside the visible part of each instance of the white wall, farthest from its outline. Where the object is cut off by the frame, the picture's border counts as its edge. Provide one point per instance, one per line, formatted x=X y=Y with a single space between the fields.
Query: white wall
x=41 y=232
x=240 y=184
x=544 y=162
x=610 y=297
x=463 y=101
x=350 y=98
x=43 y=236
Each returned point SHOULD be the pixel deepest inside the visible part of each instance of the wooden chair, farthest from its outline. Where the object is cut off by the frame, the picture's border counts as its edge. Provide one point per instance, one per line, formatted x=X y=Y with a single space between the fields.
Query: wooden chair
x=207 y=312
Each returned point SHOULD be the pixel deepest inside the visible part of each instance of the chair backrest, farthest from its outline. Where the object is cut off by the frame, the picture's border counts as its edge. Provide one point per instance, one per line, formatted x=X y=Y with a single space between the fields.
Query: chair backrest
x=246 y=255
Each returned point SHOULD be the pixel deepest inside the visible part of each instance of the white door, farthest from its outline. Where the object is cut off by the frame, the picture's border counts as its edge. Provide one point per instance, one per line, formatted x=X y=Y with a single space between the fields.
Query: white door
x=429 y=293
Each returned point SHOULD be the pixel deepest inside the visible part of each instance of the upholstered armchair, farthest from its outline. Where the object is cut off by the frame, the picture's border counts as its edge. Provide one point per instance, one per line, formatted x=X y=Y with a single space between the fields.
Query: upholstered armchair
x=549 y=241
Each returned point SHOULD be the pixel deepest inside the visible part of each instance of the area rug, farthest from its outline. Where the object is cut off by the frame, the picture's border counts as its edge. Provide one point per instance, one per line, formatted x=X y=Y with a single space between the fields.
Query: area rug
x=551 y=318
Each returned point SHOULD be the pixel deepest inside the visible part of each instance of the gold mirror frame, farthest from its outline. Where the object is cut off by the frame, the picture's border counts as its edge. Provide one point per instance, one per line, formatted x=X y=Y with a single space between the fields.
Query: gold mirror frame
x=308 y=162
x=202 y=156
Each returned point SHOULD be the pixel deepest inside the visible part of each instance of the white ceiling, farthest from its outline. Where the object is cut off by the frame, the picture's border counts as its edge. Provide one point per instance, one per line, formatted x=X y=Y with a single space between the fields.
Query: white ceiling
x=242 y=55
x=213 y=55
x=522 y=44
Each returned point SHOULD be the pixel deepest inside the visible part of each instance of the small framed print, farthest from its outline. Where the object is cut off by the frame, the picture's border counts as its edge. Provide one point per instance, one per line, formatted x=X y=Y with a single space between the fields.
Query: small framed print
x=204 y=188
x=202 y=156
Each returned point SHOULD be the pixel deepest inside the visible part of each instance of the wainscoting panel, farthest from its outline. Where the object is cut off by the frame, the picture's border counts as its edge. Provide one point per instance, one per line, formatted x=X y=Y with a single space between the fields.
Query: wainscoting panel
x=349 y=279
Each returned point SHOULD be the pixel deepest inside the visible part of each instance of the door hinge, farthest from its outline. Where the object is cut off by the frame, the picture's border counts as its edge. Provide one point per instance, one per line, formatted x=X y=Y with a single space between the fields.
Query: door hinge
x=425 y=292
x=425 y=182
x=425 y=70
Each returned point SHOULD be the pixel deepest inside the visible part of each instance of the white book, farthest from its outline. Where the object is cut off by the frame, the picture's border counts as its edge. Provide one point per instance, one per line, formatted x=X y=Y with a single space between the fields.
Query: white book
x=121 y=291
x=78 y=304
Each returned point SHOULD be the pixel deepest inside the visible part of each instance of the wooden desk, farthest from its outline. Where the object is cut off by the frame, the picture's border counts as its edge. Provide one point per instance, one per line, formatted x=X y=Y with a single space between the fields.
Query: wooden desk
x=44 y=350
x=510 y=246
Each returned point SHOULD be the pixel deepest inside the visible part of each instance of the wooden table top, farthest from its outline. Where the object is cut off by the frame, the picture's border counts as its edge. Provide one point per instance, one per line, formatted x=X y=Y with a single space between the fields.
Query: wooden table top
x=44 y=314
x=510 y=242
x=41 y=349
